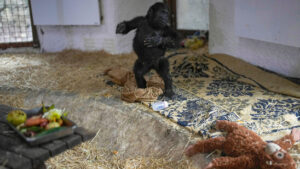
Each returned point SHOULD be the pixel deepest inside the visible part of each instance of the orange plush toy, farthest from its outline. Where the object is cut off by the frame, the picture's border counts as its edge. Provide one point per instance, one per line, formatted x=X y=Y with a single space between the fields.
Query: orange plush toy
x=246 y=150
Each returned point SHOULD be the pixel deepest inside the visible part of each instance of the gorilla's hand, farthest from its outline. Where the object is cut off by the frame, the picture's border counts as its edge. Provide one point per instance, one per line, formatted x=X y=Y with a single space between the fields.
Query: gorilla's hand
x=121 y=28
x=153 y=40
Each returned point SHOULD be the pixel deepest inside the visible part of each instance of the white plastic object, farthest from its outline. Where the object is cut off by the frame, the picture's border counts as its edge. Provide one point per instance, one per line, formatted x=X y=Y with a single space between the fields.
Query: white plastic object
x=159 y=105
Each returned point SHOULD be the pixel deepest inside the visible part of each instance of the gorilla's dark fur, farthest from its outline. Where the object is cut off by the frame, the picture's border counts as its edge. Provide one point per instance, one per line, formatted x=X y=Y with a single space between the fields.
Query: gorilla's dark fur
x=153 y=36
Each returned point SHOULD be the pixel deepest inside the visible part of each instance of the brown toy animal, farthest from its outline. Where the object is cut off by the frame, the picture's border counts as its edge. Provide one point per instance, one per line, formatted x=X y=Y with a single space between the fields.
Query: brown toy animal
x=246 y=150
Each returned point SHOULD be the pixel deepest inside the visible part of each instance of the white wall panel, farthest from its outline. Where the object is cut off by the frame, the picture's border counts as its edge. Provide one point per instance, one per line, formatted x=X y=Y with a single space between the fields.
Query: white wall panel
x=192 y=14
x=65 y=12
x=276 y=21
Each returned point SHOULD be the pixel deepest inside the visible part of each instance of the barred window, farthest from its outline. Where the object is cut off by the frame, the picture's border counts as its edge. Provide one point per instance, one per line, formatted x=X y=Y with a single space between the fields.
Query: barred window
x=15 y=21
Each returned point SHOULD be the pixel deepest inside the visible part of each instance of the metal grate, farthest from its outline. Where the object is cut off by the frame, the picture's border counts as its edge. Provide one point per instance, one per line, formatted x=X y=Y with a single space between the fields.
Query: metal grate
x=15 y=22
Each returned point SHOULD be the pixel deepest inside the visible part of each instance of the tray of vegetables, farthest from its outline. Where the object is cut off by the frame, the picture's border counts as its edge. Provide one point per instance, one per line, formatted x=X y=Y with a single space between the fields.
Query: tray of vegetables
x=40 y=125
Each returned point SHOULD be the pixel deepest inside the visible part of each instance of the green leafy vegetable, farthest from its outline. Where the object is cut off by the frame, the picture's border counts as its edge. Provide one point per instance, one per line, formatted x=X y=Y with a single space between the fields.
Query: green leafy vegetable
x=46 y=109
x=49 y=131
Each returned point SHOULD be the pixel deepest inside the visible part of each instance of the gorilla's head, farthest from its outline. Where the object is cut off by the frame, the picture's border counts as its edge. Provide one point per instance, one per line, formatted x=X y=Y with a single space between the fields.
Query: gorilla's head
x=158 y=15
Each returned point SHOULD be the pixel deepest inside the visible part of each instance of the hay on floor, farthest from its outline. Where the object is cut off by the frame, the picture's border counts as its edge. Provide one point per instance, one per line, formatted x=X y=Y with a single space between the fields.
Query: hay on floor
x=12 y=100
x=70 y=70
x=76 y=71
x=88 y=156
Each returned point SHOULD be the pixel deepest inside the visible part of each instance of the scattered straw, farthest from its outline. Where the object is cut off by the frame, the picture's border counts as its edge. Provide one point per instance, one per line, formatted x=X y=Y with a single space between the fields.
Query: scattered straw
x=77 y=71
x=89 y=156
x=12 y=100
x=70 y=70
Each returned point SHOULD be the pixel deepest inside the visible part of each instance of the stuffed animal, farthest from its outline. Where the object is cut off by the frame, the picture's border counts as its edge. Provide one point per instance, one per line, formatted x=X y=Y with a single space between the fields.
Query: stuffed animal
x=244 y=149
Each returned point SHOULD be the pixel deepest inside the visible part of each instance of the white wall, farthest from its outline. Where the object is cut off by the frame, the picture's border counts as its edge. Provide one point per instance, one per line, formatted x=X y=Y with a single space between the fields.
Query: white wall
x=89 y=38
x=223 y=39
x=65 y=12
x=192 y=14
x=275 y=21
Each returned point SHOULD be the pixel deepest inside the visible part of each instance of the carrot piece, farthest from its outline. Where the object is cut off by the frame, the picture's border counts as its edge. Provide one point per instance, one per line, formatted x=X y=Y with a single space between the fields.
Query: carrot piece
x=34 y=121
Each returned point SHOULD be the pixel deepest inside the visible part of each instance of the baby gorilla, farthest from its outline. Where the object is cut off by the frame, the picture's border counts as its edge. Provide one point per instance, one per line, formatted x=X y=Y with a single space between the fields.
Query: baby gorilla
x=153 y=36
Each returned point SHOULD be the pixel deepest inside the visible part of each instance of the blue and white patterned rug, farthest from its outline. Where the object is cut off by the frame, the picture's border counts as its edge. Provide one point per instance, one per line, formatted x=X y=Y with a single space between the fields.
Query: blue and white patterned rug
x=207 y=91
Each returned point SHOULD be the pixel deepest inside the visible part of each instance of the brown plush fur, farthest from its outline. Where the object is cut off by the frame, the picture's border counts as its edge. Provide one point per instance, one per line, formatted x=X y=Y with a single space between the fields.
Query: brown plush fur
x=245 y=149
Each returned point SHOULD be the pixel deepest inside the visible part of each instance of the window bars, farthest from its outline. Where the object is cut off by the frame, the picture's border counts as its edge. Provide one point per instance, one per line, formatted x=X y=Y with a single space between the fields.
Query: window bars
x=15 y=21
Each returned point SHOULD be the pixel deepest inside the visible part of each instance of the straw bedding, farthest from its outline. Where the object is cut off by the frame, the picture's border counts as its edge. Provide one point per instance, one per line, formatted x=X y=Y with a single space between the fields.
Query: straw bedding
x=83 y=72
x=70 y=70
x=80 y=72
x=88 y=156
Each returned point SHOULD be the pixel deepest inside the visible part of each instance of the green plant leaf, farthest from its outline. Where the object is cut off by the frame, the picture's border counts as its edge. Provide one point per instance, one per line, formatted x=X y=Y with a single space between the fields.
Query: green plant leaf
x=65 y=114
x=44 y=108
x=51 y=107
